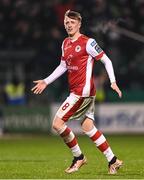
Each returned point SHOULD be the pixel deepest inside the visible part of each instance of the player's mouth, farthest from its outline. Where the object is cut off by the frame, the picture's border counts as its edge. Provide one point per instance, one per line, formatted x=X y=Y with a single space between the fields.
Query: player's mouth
x=69 y=30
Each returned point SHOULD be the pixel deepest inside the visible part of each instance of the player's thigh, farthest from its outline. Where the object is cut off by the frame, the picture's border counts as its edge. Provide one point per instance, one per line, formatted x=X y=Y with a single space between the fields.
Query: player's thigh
x=69 y=107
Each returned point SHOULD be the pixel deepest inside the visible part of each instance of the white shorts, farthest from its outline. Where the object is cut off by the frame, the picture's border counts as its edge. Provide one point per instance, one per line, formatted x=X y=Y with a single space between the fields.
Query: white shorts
x=77 y=107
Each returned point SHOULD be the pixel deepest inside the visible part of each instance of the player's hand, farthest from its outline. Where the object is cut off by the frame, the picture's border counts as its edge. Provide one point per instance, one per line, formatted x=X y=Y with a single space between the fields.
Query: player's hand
x=39 y=87
x=116 y=88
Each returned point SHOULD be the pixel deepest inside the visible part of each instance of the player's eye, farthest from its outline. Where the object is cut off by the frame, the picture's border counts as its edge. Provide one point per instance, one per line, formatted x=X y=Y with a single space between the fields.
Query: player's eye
x=67 y=23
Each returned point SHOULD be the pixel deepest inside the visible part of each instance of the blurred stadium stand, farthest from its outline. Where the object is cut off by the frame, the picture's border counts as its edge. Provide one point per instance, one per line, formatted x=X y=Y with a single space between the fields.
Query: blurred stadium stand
x=31 y=33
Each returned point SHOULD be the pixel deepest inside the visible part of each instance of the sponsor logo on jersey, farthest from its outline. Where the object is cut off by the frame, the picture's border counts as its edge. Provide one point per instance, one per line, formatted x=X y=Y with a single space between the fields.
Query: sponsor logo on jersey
x=93 y=43
x=77 y=48
x=98 y=49
x=72 y=68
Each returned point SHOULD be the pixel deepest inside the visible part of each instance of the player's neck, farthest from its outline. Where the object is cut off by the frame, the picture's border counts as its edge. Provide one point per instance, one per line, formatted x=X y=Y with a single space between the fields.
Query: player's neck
x=75 y=36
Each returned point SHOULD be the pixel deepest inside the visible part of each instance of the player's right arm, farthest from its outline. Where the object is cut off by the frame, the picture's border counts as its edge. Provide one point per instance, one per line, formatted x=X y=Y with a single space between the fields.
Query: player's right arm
x=40 y=85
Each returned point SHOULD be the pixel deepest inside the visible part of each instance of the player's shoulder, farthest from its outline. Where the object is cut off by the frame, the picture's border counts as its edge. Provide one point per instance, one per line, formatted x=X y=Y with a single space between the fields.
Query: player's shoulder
x=66 y=39
x=92 y=42
x=84 y=38
x=89 y=40
x=65 y=42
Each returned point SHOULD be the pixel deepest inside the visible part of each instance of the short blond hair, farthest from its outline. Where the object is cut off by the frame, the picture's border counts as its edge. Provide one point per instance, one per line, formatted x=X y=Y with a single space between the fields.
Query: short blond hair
x=73 y=15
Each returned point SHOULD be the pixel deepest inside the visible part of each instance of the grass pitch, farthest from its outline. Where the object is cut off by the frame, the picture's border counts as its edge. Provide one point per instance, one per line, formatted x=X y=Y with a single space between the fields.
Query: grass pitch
x=46 y=157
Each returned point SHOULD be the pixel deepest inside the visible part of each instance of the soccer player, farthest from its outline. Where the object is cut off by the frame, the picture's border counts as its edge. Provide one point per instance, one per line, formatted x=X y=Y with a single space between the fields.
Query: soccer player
x=79 y=53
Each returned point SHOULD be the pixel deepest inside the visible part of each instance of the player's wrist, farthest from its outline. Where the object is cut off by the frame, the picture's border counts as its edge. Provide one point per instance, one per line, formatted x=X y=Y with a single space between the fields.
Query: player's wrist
x=46 y=81
x=113 y=82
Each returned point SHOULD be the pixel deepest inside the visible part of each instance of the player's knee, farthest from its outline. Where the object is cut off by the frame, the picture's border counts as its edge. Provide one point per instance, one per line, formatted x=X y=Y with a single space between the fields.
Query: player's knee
x=57 y=124
x=87 y=125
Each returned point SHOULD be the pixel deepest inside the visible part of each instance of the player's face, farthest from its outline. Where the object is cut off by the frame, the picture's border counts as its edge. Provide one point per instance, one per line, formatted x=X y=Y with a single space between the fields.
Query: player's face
x=72 y=26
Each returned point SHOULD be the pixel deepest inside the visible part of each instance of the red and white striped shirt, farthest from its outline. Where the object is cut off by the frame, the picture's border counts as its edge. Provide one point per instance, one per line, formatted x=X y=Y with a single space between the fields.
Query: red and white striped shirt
x=78 y=57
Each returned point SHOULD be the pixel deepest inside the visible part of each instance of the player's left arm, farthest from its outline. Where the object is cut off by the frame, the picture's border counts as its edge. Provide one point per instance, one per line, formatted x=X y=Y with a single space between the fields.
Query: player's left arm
x=96 y=52
x=109 y=68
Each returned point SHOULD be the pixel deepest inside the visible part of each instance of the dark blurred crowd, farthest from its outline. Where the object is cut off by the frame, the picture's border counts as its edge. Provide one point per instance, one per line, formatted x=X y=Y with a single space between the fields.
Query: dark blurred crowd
x=38 y=26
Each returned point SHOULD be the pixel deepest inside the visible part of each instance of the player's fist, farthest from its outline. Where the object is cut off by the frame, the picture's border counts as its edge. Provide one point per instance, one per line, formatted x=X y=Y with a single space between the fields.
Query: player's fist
x=116 y=88
x=39 y=87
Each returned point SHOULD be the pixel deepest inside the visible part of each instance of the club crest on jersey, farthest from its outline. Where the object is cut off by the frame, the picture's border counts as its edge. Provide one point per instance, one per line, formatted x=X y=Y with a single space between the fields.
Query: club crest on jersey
x=77 y=48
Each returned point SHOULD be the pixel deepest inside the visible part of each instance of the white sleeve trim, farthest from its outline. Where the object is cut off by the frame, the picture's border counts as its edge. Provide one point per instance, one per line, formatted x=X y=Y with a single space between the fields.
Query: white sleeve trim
x=61 y=69
x=62 y=49
x=91 y=43
x=109 y=67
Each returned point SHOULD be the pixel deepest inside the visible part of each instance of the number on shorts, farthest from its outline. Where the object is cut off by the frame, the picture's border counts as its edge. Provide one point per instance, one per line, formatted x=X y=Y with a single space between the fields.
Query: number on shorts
x=65 y=106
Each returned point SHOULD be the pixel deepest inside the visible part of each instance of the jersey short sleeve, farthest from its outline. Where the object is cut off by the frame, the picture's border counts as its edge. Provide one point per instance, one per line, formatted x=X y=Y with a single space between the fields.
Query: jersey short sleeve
x=94 y=49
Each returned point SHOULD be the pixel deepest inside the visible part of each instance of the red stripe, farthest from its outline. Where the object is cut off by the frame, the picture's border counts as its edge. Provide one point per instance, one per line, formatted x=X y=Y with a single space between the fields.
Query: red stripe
x=73 y=109
x=99 y=56
x=103 y=146
x=96 y=136
x=66 y=132
x=72 y=143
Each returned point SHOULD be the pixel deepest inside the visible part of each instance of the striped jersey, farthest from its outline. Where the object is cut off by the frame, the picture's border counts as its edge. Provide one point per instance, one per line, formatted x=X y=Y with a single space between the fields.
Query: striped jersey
x=79 y=58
